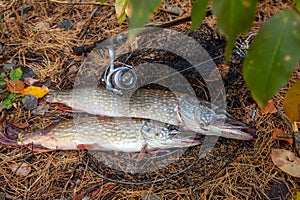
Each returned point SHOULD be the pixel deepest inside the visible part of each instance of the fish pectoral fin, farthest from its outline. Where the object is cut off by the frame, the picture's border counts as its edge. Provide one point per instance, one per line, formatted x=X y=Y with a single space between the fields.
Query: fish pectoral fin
x=94 y=146
x=66 y=108
x=142 y=153
x=38 y=148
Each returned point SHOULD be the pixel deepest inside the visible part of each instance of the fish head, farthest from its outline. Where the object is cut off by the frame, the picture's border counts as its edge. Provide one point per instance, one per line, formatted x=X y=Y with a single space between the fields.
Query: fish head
x=207 y=119
x=164 y=137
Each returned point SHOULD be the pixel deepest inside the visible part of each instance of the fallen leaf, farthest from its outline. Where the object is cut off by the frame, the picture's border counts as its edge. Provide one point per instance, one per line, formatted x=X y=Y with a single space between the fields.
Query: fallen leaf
x=269 y=108
x=42 y=26
x=20 y=169
x=30 y=102
x=120 y=7
x=279 y=134
x=279 y=190
x=38 y=92
x=291 y=103
x=298 y=195
x=224 y=69
x=106 y=190
x=8 y=102
x=30 y=81
x=16 y=74
x=15 y=86
x=286 y=161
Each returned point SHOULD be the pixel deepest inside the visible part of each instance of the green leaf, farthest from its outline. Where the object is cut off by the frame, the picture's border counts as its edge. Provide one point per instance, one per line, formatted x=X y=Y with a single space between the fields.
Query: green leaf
x=16 y=74
x=297 y=3
x=120 y=6
x=141 y=12
x=122 y=18
x=273 y=55
x=2 y=80
x=8 y=102
x=233 y=17
x=12 y=96
x=198 y=13
x=102 y=1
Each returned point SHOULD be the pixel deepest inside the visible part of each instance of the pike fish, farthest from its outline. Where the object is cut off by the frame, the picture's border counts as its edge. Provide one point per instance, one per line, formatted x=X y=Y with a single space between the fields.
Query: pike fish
x=180 y=110
x=105 y=134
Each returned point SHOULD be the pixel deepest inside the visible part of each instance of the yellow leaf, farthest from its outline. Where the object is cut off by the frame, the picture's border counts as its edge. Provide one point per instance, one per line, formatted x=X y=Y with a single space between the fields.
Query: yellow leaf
x=298 y=195
x=128 y=10
x=38 y=92
x=286 y=161
x=291 y=103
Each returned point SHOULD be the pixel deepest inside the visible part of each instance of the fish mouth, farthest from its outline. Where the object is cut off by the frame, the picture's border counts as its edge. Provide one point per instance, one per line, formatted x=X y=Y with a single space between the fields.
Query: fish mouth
x=188 y=139
x=238 y=130
x=241 y=133
x=226 y=131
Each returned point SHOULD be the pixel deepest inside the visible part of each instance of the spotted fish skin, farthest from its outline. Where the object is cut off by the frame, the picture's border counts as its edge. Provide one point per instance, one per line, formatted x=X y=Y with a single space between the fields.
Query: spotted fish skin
x=180 y=110
x=142 y=103
x=109 y=134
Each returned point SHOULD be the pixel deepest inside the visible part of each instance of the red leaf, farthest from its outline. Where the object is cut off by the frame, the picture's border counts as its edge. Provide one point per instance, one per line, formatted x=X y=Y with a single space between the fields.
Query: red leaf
x=15 y=86
x=279 y=134
x=269 y=108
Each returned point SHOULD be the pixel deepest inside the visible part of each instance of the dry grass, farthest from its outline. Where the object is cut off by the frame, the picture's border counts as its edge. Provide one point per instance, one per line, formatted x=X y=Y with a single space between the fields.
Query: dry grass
x=244 y=169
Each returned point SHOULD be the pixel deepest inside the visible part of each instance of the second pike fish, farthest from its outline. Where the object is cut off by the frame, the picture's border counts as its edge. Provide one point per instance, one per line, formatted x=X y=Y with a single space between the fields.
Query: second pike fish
x=180 y=110
x=106 y=134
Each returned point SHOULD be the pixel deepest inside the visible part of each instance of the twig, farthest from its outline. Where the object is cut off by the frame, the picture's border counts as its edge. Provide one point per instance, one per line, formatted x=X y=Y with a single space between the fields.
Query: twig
x=171 y=23
x=289 y=127
x=87 y=23
x=82 y=3
x=285 y=121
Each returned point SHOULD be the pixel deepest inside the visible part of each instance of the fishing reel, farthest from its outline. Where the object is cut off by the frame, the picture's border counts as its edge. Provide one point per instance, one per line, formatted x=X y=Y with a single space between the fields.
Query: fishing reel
x=121 y=78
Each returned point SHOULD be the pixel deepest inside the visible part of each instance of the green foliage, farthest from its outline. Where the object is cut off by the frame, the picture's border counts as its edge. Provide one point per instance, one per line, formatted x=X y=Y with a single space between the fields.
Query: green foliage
x=120 y=7
x=2 y=79
x=8 y=102
x=273 y=55
x=233 y=18
x=122 y=18
x=297 y=3
x=16 y=74
x=102 y=1
x=141 y=12
x=198 y=13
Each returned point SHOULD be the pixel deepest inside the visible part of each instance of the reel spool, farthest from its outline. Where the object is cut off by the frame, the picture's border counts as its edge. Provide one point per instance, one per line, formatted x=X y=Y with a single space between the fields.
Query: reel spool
x=121 y=78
